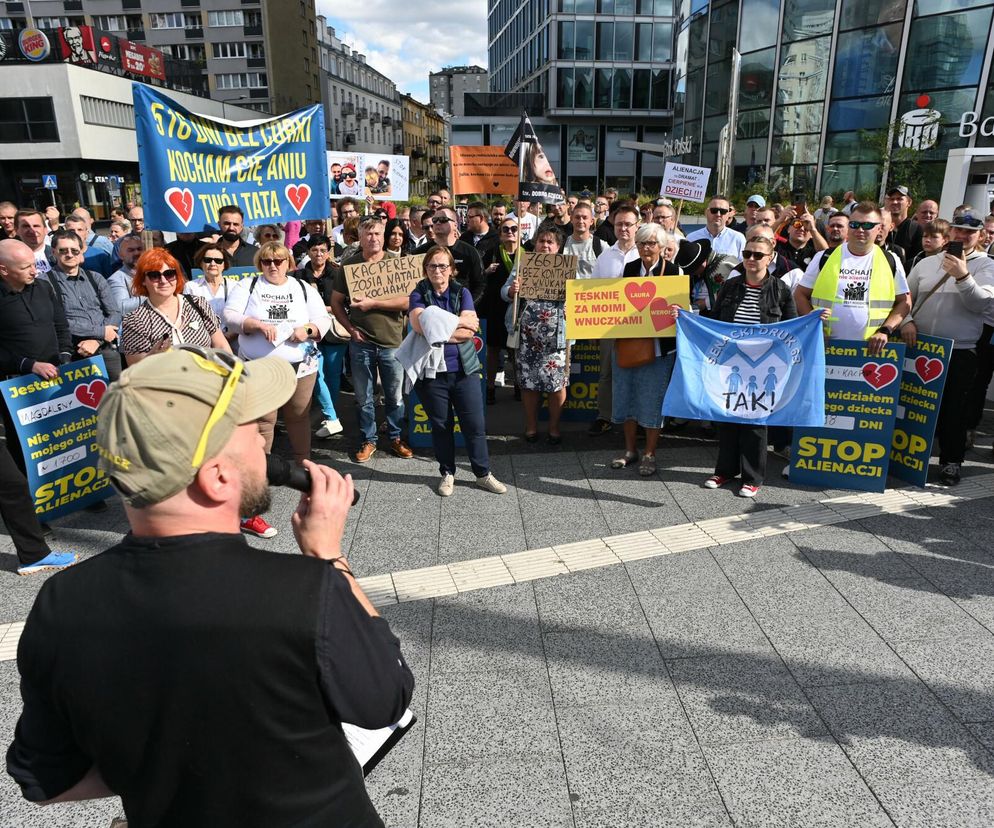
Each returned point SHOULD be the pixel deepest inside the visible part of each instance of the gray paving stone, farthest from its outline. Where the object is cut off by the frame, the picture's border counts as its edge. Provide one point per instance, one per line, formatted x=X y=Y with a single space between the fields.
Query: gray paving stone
x=957 y=803
x=897 y=731
x=840 y=548
x=793 y=782
x=587 y=668
x=959 y=671
x=507 y=713
x=984 y=731
x=616 y=755
x=829 y=655
x=496 y=792
x=742 y=698
x=487 y=631
x=905 y=609
x=596 y=600
x=394 y=785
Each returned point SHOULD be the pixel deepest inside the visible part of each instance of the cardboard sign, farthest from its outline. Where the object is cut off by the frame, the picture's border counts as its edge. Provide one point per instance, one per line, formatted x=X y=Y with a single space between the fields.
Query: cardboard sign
x=544 y=275
x=925 y=368
x=388 y=278
x=56 y=423
x=483 y=170
x=852 y=451
x=684 y=181
x=624 y=308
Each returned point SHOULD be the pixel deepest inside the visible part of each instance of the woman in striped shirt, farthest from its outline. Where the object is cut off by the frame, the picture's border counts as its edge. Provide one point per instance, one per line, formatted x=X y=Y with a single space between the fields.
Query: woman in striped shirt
x=750 y=299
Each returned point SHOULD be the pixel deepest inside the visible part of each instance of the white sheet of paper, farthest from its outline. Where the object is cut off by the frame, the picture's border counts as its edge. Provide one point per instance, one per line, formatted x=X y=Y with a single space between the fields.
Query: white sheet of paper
x=284 y=330
x=364 y=743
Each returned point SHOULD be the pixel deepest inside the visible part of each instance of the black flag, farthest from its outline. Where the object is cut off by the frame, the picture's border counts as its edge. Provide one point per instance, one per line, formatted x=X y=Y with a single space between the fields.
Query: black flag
x=537 y=181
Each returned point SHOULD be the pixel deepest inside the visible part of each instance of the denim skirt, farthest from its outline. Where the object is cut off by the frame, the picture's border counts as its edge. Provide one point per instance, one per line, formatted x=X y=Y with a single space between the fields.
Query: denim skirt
x=638 y=392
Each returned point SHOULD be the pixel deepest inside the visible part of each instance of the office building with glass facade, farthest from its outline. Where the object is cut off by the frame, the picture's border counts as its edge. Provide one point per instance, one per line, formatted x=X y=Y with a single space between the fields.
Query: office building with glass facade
x=821 y=84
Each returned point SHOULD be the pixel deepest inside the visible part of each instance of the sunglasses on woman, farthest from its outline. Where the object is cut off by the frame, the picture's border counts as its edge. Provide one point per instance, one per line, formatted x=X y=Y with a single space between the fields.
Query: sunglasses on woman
x=212 y=260
x=509 y=229
x=272 y=262
x=164 y=276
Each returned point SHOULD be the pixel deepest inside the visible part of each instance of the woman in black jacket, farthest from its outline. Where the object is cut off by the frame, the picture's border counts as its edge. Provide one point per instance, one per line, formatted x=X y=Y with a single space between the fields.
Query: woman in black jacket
x=753 y=299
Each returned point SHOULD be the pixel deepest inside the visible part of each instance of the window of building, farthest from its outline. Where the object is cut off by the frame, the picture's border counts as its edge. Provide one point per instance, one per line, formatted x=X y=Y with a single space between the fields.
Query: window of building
x=804 y=70
x=923 y=7
x=662 y=42
x=622 y=95
x=583 y=81
x=56 y=22
x=859 y=113
x=795 y=149
x=858 y=14
x=797 y=119
x=239 y=49
x=13 y=23
x=807 y=18
x=566 y=39
x=227 y=17
x=175 y=20
x=948 y=50
x=724 y=25
x=866 y=61
x=584 y=39
x=624 y=42
x=643 y=42
x=605 y=41
x=117 y=22
x=194 y=52
x=764 y=23
x=602 y=93
x=241 y=80
x=27 y=119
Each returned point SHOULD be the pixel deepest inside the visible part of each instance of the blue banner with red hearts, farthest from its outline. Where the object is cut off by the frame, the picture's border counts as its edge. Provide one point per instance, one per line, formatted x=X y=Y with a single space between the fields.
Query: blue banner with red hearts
x=925 y=367
x=192 y=165
x=56 y=422
x=852 y=450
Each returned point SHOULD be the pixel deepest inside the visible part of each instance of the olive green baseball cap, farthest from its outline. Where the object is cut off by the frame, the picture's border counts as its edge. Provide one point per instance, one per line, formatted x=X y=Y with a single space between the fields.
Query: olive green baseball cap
x=151 y=422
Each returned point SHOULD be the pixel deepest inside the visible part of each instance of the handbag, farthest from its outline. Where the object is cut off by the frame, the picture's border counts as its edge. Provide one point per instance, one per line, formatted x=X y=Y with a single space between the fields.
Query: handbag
x=634 y=353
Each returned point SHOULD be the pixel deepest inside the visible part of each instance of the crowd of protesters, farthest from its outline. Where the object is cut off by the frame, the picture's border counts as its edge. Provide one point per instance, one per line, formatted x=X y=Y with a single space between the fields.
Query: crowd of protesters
x=875 y=271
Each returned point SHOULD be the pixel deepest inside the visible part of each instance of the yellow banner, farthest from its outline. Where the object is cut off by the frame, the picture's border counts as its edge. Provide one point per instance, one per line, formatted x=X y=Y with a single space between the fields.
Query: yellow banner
x=624 y=308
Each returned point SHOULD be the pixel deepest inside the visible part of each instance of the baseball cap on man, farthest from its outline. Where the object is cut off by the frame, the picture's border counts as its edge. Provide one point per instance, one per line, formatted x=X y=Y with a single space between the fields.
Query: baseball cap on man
x=899 y=188
x=757 y=199
x=967 y=220
x=169 y=413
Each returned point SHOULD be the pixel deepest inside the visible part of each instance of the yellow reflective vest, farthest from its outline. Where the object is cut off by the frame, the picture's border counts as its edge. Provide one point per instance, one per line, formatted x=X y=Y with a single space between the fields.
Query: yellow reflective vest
x=825 y=292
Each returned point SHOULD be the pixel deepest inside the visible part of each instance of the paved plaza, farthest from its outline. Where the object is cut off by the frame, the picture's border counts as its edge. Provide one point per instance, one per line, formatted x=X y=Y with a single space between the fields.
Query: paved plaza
x=598 y=649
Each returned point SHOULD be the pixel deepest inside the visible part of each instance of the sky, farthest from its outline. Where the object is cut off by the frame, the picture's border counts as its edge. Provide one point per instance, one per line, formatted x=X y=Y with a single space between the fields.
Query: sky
x=405 y=40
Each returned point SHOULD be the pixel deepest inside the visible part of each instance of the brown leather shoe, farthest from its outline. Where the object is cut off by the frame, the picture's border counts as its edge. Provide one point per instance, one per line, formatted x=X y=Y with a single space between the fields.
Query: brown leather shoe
x=399 y=448
x=366 y=450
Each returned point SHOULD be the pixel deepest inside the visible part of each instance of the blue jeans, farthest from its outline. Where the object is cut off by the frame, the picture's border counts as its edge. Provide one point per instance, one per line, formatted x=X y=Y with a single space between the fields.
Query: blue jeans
x=329 y=378
x=366 y=359
x=456 y=392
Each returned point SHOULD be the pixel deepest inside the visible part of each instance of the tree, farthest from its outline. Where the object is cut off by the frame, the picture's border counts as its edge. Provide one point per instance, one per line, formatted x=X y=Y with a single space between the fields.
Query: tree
x=899 y=164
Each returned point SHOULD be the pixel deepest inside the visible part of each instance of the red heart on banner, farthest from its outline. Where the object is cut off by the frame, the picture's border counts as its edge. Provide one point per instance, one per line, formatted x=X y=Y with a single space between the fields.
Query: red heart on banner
x=640 y=294
x=298 y=195
x=878 y=376
x=660 y=312
x=90 y=395
x=928 y=369
x=181 y=203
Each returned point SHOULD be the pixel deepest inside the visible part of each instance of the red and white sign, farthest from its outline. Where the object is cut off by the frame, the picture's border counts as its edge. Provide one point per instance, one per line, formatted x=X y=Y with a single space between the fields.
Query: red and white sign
x=684 y=181
x=140 y=60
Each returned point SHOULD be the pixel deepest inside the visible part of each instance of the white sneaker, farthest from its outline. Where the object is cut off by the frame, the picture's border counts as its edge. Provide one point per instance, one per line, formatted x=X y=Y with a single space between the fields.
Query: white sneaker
x=491 y=484
x=329 y=428
x=499 y=379
x=447 y=484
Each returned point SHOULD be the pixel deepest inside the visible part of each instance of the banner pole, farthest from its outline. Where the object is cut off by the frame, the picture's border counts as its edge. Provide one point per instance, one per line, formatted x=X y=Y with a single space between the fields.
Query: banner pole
x=517 y=253
x=679 y=210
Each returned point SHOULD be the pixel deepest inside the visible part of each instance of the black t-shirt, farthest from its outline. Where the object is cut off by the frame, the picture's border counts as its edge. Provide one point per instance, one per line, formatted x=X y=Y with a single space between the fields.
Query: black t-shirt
x=798 y=257
x=469 y=267
x=204 y=678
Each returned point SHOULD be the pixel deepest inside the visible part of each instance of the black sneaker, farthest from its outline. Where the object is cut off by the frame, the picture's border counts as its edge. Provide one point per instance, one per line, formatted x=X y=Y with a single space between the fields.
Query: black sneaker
x=949 y=474
x=599 y=426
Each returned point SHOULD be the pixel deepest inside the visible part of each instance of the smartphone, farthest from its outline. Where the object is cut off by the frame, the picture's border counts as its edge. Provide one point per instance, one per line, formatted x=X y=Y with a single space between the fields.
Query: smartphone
x=955 y=248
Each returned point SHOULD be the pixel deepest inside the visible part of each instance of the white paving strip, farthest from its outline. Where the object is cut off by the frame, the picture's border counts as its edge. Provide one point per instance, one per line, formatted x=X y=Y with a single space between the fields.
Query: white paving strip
x=534 y=564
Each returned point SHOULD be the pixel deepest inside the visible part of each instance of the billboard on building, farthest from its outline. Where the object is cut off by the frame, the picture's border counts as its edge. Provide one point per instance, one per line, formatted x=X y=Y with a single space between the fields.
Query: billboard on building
x=140 y=60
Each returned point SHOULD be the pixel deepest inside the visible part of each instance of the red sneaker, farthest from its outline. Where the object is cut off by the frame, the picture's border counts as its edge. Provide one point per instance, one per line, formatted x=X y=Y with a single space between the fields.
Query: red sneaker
x=715 y=481
x=255 y=525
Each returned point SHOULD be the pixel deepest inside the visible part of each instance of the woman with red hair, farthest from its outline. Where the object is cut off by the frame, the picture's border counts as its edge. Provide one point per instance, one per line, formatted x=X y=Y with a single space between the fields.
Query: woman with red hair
x=166 y=317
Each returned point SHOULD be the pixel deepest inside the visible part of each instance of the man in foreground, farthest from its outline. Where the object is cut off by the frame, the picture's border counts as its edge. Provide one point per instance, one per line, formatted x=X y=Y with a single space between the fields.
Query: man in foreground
x=202 y=680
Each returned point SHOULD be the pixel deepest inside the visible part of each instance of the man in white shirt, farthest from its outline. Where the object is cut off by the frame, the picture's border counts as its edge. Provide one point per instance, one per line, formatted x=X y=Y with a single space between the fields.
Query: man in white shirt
x=611 y=265
x=347 y=208
x=724 y=240
x=527 y=221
